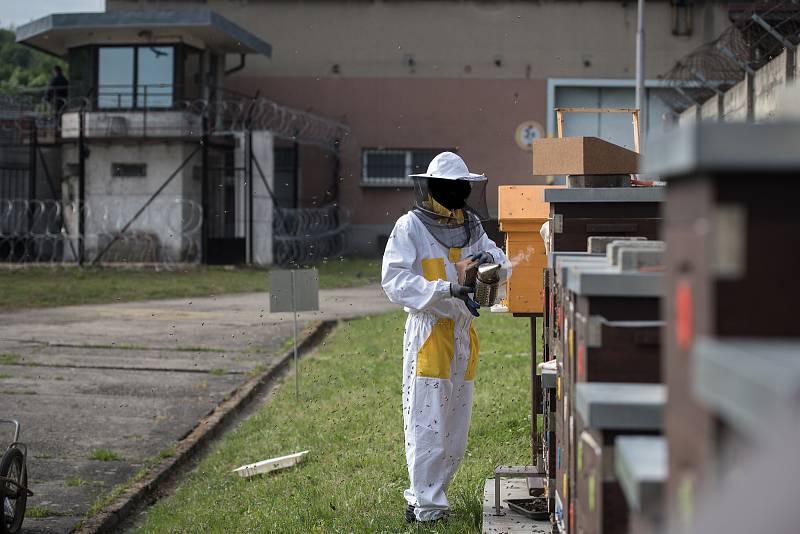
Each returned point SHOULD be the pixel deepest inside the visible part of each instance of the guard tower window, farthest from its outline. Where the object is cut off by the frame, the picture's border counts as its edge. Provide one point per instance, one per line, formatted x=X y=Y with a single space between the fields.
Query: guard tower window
x=135 y=77
x=155 y=68
x=115 y=75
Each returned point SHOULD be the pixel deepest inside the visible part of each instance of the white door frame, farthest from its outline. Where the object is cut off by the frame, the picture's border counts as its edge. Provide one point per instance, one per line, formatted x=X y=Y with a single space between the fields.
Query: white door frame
x=555 y=83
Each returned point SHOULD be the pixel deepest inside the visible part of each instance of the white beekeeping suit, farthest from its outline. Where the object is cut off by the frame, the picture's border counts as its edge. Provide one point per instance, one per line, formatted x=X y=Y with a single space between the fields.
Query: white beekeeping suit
x=440 y=346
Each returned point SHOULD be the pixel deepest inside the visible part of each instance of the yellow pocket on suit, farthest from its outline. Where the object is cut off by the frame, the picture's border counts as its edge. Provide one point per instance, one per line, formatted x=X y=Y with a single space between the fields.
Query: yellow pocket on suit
x=436 y=354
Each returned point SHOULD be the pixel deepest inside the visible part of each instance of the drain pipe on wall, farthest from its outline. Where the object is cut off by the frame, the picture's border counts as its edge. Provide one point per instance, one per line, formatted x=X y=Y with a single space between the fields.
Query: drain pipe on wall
x=238 y=67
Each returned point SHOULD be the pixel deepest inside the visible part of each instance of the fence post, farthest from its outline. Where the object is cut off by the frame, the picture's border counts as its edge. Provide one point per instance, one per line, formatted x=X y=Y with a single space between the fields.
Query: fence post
x=32 y=161
x=32 y=178
x=250 y=236
x=204 y=190
x=81 y=186
x=144 y=114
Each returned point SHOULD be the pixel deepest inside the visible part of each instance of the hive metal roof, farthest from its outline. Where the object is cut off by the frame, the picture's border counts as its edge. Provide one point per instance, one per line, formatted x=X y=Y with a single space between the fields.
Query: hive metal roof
x=54 y=33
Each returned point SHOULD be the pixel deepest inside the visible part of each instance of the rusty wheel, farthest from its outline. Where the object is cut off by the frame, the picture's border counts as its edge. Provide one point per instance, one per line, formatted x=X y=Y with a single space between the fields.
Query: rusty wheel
x=13 y=494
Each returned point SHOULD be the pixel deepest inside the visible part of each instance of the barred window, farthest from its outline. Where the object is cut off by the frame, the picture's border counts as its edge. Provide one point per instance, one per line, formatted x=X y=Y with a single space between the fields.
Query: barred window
x=391 y=167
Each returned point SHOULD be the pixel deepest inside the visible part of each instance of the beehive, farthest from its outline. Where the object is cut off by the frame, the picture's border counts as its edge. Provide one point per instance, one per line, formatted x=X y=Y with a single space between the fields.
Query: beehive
x=522 y=212
x=729 y=274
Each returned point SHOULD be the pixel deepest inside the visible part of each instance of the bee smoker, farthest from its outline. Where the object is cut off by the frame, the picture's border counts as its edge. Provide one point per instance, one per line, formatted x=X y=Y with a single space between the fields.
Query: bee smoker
x=486 y=284
x=467 y=271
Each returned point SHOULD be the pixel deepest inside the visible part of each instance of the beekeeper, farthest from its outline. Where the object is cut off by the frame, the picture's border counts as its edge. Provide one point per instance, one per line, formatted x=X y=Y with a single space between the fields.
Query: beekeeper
x=440 y=346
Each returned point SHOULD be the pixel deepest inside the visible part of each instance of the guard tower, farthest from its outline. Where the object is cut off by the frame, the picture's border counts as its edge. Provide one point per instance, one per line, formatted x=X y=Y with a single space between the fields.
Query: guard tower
x=158 y=162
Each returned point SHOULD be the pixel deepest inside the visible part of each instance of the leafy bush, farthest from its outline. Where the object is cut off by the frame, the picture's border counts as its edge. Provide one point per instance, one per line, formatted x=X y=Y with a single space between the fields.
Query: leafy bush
x=21 y=66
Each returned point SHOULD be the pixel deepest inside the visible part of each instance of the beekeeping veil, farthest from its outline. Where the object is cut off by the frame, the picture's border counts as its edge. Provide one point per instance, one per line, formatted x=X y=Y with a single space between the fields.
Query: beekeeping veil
x=451 y=201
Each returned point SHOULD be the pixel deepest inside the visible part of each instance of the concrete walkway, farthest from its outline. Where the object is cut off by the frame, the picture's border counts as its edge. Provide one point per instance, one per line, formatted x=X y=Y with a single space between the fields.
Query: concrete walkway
x=133 y=378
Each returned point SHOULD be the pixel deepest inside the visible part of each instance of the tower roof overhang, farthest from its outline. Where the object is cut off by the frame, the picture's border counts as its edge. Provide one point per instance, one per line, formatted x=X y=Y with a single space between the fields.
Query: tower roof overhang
x=55 y=34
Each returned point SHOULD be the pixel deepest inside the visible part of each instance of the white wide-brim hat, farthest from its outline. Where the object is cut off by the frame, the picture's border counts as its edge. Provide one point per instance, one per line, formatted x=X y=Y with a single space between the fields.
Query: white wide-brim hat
x=449 y=166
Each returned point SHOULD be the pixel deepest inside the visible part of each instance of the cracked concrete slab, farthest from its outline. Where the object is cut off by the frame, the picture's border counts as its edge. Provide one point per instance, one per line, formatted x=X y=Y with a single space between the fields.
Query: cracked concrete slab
x=190 y=360
x=133 y=378
x=228 y=322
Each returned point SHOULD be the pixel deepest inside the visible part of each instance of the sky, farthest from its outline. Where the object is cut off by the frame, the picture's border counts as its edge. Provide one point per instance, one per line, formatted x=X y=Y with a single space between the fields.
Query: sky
x=16 y=12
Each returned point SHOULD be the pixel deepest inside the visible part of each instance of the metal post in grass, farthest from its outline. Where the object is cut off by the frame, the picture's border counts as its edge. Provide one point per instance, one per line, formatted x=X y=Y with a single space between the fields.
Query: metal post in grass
x=294 y=290
x=294 y=331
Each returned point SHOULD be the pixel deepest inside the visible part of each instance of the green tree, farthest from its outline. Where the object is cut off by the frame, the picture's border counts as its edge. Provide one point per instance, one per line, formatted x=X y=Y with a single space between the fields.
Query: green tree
x=21 y=66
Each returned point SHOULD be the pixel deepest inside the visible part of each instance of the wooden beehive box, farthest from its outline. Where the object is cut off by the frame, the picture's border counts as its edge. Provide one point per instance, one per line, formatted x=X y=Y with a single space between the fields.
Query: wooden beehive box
x=730 y=272
x=522 y=212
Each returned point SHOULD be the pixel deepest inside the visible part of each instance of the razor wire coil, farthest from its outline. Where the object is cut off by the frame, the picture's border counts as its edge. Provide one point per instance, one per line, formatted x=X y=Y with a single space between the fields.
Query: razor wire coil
x=745 y=46
x=225 y=114
x=169 y=231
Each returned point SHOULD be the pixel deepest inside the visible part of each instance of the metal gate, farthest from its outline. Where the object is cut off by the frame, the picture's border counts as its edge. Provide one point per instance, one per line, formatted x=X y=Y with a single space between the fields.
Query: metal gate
x=29 y=219
x=225 y=215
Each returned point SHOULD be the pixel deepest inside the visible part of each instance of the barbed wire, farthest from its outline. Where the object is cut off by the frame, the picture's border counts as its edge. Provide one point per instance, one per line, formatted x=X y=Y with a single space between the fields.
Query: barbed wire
x=46 y=231
x=307 y=235
x=168 y=232
x=227 y=114
x=782 y=16
x=752 y=40
x=706 y=71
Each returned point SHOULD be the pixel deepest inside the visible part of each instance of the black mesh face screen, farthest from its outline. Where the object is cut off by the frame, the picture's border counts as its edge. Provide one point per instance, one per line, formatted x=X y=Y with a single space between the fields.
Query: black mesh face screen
x=455 y=235
x=452 y=194
x=451 y=230
x=474 y=201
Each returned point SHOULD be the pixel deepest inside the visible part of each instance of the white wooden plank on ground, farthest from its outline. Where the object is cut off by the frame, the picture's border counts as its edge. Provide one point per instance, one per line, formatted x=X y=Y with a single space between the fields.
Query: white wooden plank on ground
x=267 y=466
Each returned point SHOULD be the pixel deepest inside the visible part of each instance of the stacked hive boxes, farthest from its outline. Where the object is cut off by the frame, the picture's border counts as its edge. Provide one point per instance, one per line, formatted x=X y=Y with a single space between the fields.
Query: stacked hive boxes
x=610 y=319
x=732 y=237
x=651 y=402
x=586 y=325
x=612 y=374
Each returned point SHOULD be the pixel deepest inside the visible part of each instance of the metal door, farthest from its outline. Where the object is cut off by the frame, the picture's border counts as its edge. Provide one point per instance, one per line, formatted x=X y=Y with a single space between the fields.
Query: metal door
x=226 y=242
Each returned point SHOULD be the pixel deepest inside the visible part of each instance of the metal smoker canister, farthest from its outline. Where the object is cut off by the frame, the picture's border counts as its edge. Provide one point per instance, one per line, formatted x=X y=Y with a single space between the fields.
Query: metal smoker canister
x=487 y=283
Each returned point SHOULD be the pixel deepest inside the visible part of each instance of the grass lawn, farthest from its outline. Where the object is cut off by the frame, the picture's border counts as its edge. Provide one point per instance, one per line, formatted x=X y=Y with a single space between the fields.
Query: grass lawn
x=350 y=417
x=37 y=287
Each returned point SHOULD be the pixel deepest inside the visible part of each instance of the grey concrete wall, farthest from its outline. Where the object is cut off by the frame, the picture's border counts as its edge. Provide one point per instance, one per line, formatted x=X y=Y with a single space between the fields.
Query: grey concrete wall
x=172 y=221
x=709 y=111
x=455 y=39
x=734 y=103
x=767 y=84
x=688 y=116
x=154 y=124
x=262 y=201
